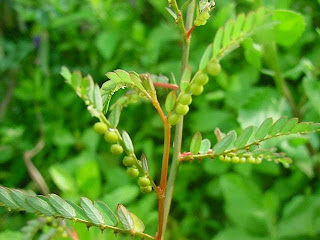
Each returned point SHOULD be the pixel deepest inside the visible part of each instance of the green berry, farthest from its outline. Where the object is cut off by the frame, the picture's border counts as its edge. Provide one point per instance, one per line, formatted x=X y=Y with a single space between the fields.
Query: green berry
x=128 y=161
x=243 y=159
x=64 y=234
x=235 y=159
x=133 y=172
x=251 y=160
x=60 y=229
x=214 y=68
x=116 y=149
x=146 y=189
x=201 y=79
x=185 y=99
x=143 y=181
x=111 y=136
x=221 y=158
x=205 y=15
x=100 y=128
x=227 y=159
x=258 y=160
x=48 y=220
x=182 y=109
x=196 y=89
x=173 y=118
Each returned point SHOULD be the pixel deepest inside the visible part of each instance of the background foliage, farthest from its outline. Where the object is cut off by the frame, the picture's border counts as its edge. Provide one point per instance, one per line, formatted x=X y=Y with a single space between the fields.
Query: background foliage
x=212 y=200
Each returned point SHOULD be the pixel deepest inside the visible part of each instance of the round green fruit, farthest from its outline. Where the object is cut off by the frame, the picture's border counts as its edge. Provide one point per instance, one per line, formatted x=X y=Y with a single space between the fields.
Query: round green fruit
x=143 y=181
x=196 y=89
x=133 y=172
x=235 y=159
x=116 y=149
x=128 y=161
x=111 y=136
x=173 y=118
x=214 y=68
x=251 y=160
x=185 y=99
x=182 y=109
x=146 y=189
x=201 y=79
x=100 y=128
x=221 y=158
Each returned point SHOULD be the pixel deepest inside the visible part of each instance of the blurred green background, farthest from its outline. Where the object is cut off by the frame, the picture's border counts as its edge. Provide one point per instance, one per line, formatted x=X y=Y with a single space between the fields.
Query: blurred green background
x=212 y=200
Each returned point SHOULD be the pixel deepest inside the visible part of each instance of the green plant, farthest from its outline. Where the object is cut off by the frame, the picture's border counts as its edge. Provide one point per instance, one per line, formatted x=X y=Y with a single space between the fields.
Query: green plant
x=229 y=147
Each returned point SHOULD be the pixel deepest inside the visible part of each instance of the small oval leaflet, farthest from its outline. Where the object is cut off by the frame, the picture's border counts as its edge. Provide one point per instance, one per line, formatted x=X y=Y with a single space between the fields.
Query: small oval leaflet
x=61 y=206
x=221 y=146
x=20 y=198
x=92 y=213
x=125 y=217
x=7 y=199
x=244 y=137
x=109 y=217
x=205 y=146
x=264 y=129
x=127 y=141
x=195 y=143
x=40 y=205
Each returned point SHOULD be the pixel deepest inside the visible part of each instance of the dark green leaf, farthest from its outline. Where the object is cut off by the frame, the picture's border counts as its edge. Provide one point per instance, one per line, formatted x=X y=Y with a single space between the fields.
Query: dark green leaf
x=244 y=137
x=264 y=129
x=62 y=207
x=79 y=211
x=20 y=198
x=40 y=205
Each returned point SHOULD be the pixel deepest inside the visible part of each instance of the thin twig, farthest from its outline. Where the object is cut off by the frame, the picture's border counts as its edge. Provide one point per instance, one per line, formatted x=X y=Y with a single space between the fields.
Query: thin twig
x=166 y=85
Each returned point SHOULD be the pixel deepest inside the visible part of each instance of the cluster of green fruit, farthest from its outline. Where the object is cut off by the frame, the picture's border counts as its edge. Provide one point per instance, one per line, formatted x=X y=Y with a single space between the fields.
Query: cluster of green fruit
x=195 y=88
x=62 y=230
x=245 y=158
x=111 y=136
x=202 y=18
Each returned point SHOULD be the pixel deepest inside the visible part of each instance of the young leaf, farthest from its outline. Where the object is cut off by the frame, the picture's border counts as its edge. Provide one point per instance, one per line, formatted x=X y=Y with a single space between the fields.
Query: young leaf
x=170 y=101
x=205 y=58
x=92 y=213
x=278 y=125
x=114 y=116
x=227 y=33
x=109 y=217
x=196 y=143
x=217 y=42
x=244 y=137
x=20 y=198
x=238 y=26
x=97 y=98
x=66 y=74
x=62 y=206
x=6 y=199
x=125 y=217
x=79 y=211
x=289 y=125
x=249 y=23
x=302 y=127
x=221 y=146
x=76 y=79
x=205 y=146
x=127 y=141
x=138 y=224
x=144 y=162
x=40 y=205
x=264 y=129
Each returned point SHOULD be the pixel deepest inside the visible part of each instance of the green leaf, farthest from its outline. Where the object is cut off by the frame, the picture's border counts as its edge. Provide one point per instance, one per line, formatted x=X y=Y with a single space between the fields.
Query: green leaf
x=195 y=143
x=227 y=33
x=312 y=89
x=6 y=199
x=66 y=74
x=125 y=217
x=62 y=207
x=278 y=125
x=205 y=58
x=91 y=211
x=290 y=28
x=76 y=79
x=97 y=98
x=144 y=163
x=249 y=22
x=221 y=146
x=138 y=224
x=238 y=26
x=264 y=129
x=302 y=127
x=40 y=205
x=170 y=101
x=205 y=146
x=79 y=211
x=109 y=217
x=127 y=141
x=20 y=199
x=114 y=116
x=217 y=42
x=289 y=125
x=244 y=137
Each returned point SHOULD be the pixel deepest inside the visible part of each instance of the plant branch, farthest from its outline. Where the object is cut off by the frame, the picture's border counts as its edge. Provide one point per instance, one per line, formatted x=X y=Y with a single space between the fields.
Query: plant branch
x=179 y=19
x=166 y=85
x=179 y=127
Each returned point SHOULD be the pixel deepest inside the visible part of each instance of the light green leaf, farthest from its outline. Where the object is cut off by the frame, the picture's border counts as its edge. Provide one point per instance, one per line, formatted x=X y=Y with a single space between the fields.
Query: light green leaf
x=227 y=33
x=170 y=101
x=205 y=58
x=6 y=199
x=244 y=137
x=278 y=125
x=264 y=129
x=312 y=89
x=127 y=141
x=238 y=26
x=217 y=42
x=97 y=98
x=289 y=125
x=40 y=205
x=138 y=224
x=79 y=211
x=221 y=146
x=62 y=206
x=114 y=116
x=249 y=22
x=109 y=217
x=91 y=211
x=290 y=28
x=125 y=217
x=205 y=146
x=66 y=74
x=195 y=143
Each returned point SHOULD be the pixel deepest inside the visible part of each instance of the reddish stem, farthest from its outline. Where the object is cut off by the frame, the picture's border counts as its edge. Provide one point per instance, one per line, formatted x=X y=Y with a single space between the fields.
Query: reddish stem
x=190 y=31
x=166 y=85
